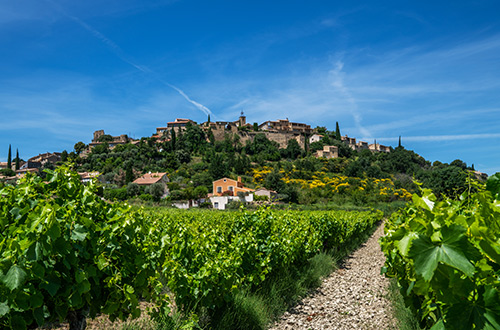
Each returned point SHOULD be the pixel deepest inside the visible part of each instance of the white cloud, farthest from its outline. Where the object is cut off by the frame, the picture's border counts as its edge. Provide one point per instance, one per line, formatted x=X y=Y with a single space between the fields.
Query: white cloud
x=436 y=138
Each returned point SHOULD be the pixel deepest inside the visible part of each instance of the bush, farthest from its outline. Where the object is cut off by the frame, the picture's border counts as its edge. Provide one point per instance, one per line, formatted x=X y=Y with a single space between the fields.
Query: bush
x=7 y=172
x=133 y=189
x=260 y=198
x=116 y=194
x=156 y=191
x=146 y=197
x=177 y=195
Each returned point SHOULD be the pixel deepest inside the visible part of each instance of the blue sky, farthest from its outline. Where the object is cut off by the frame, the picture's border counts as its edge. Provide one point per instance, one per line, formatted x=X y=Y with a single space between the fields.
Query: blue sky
x=428 y=71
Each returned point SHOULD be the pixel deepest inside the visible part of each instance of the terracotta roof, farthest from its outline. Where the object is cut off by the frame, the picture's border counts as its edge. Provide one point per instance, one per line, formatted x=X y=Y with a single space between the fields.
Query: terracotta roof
x=180 y=120
x=149 y=178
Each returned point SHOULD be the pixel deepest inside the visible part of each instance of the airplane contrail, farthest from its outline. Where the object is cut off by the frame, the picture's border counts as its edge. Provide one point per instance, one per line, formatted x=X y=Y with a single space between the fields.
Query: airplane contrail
x=126 y=58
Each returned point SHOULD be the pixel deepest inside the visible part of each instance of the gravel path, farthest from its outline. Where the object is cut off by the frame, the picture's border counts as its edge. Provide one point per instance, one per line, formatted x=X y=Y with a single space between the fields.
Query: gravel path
x=353 y=297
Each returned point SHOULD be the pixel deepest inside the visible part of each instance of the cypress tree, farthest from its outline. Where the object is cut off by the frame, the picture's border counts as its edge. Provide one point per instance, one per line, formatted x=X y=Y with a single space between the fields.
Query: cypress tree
x=9 y=159
x=337 y=132
x=172 y=138
x=17 y=159
x=399 y=144
x=208 y=119
x=129 y=175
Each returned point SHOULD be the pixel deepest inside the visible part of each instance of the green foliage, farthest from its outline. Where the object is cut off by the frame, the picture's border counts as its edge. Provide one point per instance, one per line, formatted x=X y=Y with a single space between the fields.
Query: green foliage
x=105 y=138
x=64 y=156
x=133 y=189
x=64 y=252
x=7 y=172
x=445 y=256
x=9 y=158
x=493 y=185
x=211 y=256
x=156 y=190
x=293 y=150
x=79 y=147
x=119 y=194
x=18 y=160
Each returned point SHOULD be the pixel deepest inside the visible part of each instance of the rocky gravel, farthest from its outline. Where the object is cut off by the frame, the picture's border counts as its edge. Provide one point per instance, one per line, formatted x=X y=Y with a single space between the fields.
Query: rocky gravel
x=352 y=297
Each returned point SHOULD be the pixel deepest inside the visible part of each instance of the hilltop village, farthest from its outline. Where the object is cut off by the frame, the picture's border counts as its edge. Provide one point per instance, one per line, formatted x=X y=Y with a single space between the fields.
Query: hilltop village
x=280 y=131
x=229 y=163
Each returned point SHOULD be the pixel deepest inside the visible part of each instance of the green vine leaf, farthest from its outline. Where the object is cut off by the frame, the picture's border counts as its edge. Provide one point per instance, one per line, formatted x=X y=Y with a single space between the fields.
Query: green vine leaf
x=14 y=278
x=4 y=308
x=449 y=251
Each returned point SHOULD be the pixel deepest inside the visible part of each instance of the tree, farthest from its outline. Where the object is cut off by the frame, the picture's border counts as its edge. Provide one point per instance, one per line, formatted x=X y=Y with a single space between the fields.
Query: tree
x=133 y=189
x=337 y=132
x=459 y=163
x=293 y=149
x=194 y=138
x=156 y=190
x=273 y=181
x=9 y=159
x=64 y=155
x=211 y=136
x=320 y=130
x=399 y=144
x=79 y=147
x=105 y=138
x=183 y=156
x=218 y=166
x=17 y=160
x=173 y=139
x=255 y=127
x=129 y=175
x=200 y=192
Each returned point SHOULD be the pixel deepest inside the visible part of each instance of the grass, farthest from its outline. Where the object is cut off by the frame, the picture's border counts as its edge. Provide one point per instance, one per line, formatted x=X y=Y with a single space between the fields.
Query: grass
x=405 y=320
x=256 y=310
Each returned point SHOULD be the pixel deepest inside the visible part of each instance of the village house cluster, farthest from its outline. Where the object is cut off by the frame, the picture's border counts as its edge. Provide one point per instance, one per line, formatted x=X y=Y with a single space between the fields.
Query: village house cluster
x=34 y=164
x=225 y=190
x=280 y=131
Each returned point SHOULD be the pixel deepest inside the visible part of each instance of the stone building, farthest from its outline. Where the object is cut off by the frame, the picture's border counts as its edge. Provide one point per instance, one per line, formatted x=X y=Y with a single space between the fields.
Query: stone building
x=115 y=140
x=328 y=152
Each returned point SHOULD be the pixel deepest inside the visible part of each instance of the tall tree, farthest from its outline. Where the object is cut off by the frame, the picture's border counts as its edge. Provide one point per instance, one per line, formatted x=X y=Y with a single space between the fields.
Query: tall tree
x=9 y=159
x=337 y=131
x=399 y=144
x=172 y=138
x=17 y=159
x=129 y=174
x=64 y=155
x=79 y=147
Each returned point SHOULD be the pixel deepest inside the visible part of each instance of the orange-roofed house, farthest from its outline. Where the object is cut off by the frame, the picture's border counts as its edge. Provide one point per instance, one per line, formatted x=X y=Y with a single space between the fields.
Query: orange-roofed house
x=226 y=190
x=152 y=178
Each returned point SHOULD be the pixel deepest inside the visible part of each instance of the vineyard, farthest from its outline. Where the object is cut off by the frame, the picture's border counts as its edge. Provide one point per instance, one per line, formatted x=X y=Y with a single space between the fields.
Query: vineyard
x=445 y=255
x=65 y=254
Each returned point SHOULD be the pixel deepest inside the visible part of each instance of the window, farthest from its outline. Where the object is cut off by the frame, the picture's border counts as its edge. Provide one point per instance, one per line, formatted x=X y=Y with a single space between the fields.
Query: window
x=225 y=180
x=219 y=190
x=216 y=205
x=231 y=188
